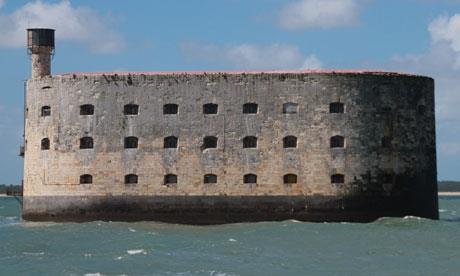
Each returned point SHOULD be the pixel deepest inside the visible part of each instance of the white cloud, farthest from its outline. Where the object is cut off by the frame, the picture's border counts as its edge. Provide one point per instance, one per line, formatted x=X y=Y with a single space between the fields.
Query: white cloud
x=2 y=2
x=303 y=14
x=78 y=24
x=252 y=57
x=445 y=29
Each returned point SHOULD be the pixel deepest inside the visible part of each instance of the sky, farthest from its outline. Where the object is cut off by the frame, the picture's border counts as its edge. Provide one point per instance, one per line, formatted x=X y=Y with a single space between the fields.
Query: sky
x=415 y=36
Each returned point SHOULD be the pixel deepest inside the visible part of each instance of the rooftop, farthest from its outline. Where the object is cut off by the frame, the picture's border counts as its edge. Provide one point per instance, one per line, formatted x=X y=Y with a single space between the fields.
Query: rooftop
x=354 y=72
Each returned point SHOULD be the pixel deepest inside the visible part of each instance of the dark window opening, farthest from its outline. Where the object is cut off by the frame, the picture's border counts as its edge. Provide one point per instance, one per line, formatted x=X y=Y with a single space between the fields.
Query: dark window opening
x=170 y=179
x=336 y=108
x=131 y=109
x=337 y=179
x=289 y=142
x=421 y=110
x=209 y=142
x=250 y=178
x=86 y=179
x=131 y=142
x=337 y=141
x=210 y=108
x=210 y=179
x=386 y=142
x=388 y=178
x=45 y=144
x=87 y=109
x=170 y=142
x=250 y=108
x=250 y=142
x=170 y=109
x=290 y=179
x=131 y=179
x=46 y=111
x=46 y=87
x=290 y=108
x=86 y=143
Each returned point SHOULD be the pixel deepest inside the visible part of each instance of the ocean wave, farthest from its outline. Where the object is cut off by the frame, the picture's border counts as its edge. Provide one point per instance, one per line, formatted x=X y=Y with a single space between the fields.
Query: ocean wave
x=41 y=253
x=136 y=251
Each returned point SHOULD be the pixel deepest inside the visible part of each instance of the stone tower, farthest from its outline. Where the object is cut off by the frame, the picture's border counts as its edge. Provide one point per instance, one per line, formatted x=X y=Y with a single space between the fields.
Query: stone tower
x=40 y=45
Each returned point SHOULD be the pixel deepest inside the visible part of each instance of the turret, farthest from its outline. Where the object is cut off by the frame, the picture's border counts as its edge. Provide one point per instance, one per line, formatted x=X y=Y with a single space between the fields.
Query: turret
x=40 y=45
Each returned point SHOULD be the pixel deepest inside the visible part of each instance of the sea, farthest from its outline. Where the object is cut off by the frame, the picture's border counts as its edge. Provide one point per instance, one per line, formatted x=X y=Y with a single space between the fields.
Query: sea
x=388 y=246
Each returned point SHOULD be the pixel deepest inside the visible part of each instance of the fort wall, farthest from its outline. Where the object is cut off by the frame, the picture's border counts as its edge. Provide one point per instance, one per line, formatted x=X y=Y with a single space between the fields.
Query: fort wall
x=387 y=163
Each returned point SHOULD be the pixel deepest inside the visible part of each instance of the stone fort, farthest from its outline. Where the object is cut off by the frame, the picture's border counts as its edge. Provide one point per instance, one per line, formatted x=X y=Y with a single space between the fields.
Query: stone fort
x=218 y=147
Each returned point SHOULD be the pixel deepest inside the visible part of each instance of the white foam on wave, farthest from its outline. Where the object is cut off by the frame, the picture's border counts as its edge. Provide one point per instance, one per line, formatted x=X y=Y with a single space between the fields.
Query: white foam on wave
x=132 y=230
x=412 y=217
x=442 y=210
x=232 y=240
x=136 y=251
x=295 y=221
x=41 y=253
x=94 y=274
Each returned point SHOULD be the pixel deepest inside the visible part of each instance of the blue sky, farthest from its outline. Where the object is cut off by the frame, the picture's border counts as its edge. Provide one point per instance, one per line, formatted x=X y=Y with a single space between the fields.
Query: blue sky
x=419 y=36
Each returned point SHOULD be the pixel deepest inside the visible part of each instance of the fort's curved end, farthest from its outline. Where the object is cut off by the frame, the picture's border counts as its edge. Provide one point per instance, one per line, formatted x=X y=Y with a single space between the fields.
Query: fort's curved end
x=219 y=147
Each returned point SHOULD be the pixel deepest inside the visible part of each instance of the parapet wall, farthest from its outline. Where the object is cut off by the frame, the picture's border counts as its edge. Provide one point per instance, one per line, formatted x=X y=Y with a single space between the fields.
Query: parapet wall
x=387 y=124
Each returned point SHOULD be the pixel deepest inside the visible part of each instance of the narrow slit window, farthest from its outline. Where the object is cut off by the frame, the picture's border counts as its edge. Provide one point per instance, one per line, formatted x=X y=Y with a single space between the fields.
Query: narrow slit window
x=86 y=143
x=131 y=142
x=46 y=111
x=386 y=142
x=290 y=108
x=290 y=142
x=209 y=142
x=87 y=109
x=336 y=107
x=210 y=179
x=170 y=109
x=290 y=179
x=170 y=179
x=337 y=141
x=388 y=178
x=250 y=178
x=131 y=109
x=210 y=108
x=337 y=179
x=131 y=179
x=250 y=142
x=250 y=108
x=86 y=179
x=45 y=144
x=170 y=142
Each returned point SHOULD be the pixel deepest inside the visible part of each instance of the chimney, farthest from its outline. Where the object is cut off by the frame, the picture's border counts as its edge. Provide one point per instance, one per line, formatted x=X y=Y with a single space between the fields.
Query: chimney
x=40 y=46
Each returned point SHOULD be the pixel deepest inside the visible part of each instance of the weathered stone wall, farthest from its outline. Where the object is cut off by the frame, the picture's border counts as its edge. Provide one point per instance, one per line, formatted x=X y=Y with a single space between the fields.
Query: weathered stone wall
x=377 y=105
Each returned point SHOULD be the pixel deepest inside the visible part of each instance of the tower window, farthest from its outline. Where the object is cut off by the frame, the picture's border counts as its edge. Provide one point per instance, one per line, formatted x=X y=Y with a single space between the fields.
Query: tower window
x=250 y=178
x=209 y=142
x=336 y=108
x=290 y=142
x=250 y=142
x=86 y=143
x=388 y=178
x=170 y=109
x=46 y=111
x=170 y=179
x=131 y=179
x=170 y=142
x=250 y=108
x=337 y=141
x=45 y=144
x=86 y=179
x=337 y=179
x=210 y=108
x=290 y=178
x=87 y=109
x=210 y=179
x=290 y=108
x=131 y=109
x=386 y=142
x=421 y=110
x=131 y=142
